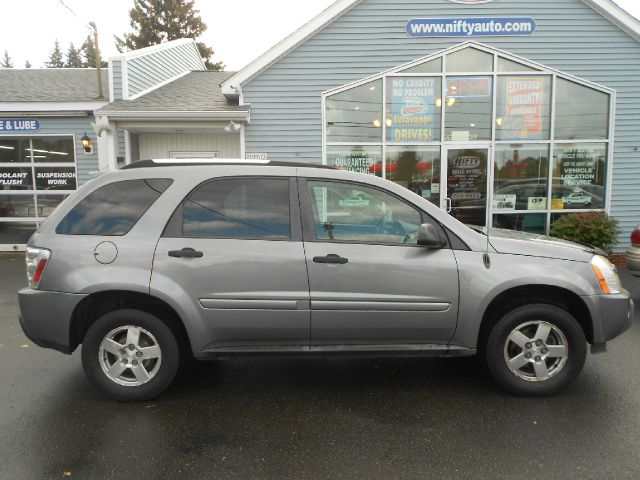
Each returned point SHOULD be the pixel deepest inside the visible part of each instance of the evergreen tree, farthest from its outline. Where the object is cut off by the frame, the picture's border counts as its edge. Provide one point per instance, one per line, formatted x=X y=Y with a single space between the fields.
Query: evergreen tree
x=27 y=64
x=88 y=51
x=157 y=21
x=6 y=61
x=74 y=60
x=55 y=57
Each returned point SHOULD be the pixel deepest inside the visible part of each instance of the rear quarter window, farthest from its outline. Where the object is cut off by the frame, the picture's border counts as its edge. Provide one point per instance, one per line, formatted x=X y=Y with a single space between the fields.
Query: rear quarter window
x=113 y=209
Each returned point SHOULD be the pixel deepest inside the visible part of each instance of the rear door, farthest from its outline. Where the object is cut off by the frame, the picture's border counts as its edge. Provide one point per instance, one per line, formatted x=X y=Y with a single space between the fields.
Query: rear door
x=233 y=252
x=370 y=283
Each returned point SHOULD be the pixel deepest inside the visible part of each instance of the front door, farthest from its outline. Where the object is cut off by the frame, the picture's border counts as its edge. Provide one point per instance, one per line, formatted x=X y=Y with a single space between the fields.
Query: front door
x=467 y=168
x=370 y=283
x=232 y=252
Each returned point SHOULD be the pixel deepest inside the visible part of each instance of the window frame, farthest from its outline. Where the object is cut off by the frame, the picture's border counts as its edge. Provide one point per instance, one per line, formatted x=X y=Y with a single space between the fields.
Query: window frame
x=174 y=229
x=309 y=224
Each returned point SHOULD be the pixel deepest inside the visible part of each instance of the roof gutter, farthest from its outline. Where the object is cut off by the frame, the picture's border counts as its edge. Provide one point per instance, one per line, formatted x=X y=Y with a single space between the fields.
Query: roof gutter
x=236 y=116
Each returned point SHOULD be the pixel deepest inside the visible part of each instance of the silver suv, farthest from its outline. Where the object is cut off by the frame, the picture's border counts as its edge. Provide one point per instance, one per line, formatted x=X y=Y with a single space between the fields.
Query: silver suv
x=161 y=262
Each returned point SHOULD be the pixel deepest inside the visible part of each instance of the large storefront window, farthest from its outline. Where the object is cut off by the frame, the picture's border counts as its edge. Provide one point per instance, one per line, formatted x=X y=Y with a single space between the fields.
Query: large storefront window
x=36 y=174
x=449 y=126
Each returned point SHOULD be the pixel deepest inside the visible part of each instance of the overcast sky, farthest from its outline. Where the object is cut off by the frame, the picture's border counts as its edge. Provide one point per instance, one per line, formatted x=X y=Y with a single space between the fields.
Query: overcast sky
x=239 y=30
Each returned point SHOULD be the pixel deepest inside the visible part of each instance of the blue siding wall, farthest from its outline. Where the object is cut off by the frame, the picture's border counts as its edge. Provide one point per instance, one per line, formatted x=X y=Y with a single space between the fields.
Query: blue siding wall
x=571 y=37
x=151 y=69
x=116 y=68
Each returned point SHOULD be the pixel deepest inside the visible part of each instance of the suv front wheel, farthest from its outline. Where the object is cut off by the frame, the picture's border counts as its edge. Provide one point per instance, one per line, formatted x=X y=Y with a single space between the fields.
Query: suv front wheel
x=536 y=350
x=131 y=355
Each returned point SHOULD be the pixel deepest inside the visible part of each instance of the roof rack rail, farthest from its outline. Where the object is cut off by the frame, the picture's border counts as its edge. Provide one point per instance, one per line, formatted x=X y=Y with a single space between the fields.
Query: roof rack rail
x=191 y=162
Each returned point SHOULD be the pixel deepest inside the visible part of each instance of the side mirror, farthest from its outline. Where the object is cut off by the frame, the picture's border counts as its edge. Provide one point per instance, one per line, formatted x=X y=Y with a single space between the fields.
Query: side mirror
x=428 y=236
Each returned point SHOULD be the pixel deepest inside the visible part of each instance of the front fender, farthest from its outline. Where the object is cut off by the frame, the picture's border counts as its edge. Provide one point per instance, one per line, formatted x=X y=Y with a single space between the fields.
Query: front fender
x=479 y=285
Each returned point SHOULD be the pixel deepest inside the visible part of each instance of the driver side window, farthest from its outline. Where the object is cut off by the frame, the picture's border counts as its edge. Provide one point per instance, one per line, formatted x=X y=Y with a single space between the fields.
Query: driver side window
x=356 y=213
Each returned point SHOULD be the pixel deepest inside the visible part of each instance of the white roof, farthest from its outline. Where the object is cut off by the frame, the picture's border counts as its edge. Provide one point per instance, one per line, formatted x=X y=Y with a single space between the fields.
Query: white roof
x=233 y=85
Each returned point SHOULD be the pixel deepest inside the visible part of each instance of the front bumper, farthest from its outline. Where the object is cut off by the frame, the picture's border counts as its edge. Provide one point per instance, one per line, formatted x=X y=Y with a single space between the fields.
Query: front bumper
x=612 y=315
x=45 y=317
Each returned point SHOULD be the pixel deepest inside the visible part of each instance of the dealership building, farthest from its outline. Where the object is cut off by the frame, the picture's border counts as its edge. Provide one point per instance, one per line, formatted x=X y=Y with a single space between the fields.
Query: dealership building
x=515 y=111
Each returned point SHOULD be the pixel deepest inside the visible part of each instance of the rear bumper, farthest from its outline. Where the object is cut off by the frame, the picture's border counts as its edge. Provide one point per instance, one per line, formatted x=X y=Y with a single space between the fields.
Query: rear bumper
x=612 y=315
x=45 y=317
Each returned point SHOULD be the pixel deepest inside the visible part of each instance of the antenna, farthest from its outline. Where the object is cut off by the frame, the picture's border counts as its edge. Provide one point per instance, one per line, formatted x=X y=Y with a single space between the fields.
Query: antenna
x=485 y=258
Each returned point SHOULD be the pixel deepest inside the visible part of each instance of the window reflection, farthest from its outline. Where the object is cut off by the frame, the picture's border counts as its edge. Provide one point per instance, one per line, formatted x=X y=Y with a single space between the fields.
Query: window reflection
x=581 y=112
x=355 y=115
x=468 y=108
x=416 y=168
x=469 y=60
x=520 y=177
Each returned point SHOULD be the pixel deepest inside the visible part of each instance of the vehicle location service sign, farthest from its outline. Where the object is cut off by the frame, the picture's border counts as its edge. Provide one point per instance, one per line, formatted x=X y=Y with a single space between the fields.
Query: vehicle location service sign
x=471 y=27
x=19 y=125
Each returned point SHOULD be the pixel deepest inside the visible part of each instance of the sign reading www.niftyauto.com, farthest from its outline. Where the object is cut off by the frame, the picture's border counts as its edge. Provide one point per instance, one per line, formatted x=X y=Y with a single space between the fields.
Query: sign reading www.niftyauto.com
x=470 y=27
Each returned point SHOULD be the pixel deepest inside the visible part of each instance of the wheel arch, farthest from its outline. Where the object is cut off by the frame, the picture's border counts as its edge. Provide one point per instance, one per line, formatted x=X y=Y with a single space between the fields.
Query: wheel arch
x=528 y=294
x=97 y=304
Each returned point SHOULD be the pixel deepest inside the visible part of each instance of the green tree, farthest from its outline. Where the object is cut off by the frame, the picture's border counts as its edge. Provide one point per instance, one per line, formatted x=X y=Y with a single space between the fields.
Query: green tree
x=27 y=64
x=55 y=57
x=157 y=21
x=6 y=61
x=74 y=59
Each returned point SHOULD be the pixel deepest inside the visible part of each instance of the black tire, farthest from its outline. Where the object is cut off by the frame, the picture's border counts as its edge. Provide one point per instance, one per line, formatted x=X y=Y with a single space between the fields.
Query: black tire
x=496 y=350
x=161 y=377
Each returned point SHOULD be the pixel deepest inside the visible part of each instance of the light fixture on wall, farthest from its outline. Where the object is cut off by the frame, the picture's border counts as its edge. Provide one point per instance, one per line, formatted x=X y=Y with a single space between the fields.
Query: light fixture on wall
x=87 y=143
x=233 y=127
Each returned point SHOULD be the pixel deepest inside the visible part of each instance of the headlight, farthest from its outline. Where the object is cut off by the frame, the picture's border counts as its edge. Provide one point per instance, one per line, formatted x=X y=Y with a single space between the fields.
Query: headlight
x=36 y=259
x=606 y=274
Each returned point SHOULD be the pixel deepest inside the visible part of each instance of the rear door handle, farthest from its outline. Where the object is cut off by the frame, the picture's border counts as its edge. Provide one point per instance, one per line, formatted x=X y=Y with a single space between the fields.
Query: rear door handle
x=185 y=253
x=331 y=258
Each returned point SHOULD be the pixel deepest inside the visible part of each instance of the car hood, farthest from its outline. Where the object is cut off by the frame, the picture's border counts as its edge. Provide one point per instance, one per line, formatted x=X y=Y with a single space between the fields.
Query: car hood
x=522 y=243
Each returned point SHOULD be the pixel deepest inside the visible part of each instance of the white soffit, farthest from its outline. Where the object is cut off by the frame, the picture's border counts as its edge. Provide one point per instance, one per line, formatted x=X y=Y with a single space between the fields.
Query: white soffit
x=233 y=85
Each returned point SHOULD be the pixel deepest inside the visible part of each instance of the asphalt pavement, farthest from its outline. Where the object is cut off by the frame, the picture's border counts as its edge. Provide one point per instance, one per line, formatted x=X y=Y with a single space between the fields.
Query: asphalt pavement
x=339 y=418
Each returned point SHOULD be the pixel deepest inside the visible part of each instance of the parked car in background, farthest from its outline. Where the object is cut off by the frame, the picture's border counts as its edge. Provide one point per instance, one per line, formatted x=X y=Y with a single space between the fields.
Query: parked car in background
x=167 y=260
x=633 y=253
x=576 y=198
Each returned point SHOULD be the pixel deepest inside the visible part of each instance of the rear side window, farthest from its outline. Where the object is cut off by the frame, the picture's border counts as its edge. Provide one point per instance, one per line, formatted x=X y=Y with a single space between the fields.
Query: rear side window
x=113 y=209
x=243 y=208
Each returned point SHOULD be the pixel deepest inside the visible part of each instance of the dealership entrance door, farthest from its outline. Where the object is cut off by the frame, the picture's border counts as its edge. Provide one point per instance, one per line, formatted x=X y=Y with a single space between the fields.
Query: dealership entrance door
x=464 y=188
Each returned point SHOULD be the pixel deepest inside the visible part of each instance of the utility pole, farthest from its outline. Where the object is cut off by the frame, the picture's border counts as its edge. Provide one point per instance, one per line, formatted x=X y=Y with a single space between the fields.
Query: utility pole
x=98 y=59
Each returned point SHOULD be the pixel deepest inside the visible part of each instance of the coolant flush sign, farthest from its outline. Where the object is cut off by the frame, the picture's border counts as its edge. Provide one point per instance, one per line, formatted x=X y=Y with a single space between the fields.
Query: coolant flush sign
x=471 y=27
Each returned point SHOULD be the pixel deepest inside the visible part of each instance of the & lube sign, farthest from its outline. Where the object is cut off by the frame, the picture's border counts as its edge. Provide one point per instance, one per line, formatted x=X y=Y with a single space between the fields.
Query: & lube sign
x=471 y=27
x=19 y=125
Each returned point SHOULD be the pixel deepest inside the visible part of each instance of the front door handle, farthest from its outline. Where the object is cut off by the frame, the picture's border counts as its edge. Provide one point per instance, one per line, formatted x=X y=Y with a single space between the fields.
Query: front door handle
x=185 y=253
x=331 y=258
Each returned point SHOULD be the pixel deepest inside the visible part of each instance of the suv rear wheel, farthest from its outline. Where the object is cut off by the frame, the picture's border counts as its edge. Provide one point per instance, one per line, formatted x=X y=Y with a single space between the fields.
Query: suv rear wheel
x=536 y=350
x=131 y=355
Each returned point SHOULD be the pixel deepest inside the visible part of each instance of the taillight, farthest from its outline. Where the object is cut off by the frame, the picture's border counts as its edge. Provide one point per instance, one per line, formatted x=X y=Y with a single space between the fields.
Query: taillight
x=635 y=236
x=36 y=259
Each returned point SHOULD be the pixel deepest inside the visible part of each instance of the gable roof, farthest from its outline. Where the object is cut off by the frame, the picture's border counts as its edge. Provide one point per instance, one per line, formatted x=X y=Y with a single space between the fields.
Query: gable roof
x=233 y=85
x=195 y=92
x=51 y=85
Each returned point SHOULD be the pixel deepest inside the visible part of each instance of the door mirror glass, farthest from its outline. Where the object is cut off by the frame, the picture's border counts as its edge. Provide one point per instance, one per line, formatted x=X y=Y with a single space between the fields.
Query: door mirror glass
x=428 y=236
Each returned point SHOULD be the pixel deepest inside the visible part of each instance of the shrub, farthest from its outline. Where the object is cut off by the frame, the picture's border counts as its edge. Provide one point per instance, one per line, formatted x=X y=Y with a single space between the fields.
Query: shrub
x=595 y=228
